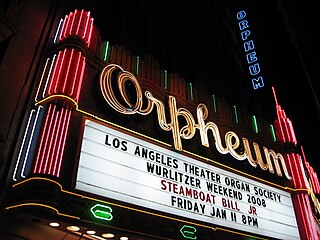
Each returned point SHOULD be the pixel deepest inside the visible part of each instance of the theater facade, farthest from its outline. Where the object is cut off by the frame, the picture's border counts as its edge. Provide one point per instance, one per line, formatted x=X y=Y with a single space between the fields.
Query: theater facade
x=110 y=145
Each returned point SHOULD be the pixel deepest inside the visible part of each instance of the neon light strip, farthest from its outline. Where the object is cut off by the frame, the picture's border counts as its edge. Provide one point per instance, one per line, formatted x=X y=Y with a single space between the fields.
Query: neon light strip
x=284 y=123
x=41 y=140
x=67 y=25
x=303 y=154
x=234 y=107
x=47 y=132
x=63 y=26
x=106 y=51
x=294 y=140
x=54 y=72
x=63 y=140
x=214 y=103
x=57 y=134
x=281 y=129
x=137 y=65
x=48 y=77
x=76 y=73
x=278 y=107
x=50 y=151
x=273 y=134
x=298 y=170
x=90 y=32
x=85 y=29
x=60 y=140
x=57 y=32
x=255 y=124
x=303 y=172
x=22 y=145
x=301 y=208
x=57 y=79
x=40 y=205
x=73 y=18
x=191 y=91
x=293 y=173
x=165 y=79
x=60 y=77
x=81 y=78
x=67 y=71
x=313 y=224
x=287 y=135
x=312 y=174
x=51 y=134
x=30 y=141
x=42 y=75
x=72 y=26
x=79 y=22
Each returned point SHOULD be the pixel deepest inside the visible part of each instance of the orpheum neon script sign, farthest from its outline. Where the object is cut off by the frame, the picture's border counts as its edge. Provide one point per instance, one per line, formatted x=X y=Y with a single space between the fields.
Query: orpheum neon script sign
x=274 y=162
x=251 y=55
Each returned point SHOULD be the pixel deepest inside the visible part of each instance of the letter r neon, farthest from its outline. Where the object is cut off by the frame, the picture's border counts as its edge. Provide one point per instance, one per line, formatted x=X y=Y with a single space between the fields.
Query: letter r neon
x=243 y=24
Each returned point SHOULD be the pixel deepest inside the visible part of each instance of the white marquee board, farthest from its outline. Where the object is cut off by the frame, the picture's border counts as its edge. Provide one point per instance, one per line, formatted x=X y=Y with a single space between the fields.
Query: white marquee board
x=120 y=166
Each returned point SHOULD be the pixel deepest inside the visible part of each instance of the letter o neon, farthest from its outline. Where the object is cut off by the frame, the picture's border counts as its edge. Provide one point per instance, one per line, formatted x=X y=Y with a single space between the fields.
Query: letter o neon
x=108 y=94
x=241 y=15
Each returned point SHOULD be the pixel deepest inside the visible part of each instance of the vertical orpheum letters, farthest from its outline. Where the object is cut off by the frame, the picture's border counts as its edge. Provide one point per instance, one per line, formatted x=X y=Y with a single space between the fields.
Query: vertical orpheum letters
x=249 y=49
x=238 y=148
x=65 y=78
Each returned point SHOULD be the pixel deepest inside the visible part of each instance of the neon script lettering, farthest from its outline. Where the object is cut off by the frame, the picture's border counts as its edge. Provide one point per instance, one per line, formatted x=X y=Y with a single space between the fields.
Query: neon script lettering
x=251 y=55
x=238 y=148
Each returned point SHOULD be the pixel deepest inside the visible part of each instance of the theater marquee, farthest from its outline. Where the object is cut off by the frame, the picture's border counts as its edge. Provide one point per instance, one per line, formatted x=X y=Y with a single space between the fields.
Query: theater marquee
x=119 y=166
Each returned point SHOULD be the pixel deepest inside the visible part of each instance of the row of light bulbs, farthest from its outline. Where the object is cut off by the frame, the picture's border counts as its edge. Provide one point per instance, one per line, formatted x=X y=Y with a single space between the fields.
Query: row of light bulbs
x=89 y=232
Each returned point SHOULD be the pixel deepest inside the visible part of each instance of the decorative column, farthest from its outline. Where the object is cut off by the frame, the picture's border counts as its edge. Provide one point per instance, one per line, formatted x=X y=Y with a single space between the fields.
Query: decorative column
x=62 y=90
x=301 y=202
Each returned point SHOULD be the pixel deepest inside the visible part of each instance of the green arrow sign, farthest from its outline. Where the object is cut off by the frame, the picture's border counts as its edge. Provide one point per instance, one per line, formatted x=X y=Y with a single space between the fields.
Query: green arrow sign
x=188 y=232
x=102 y=212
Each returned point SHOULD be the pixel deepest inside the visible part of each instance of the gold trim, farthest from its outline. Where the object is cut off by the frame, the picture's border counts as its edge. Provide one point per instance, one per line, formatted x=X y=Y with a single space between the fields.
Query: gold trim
x=117 y=205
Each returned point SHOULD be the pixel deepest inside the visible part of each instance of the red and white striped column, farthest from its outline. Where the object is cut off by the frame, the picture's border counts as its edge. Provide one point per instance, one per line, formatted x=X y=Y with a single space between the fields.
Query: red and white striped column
x=66 y=81
x=301 y=202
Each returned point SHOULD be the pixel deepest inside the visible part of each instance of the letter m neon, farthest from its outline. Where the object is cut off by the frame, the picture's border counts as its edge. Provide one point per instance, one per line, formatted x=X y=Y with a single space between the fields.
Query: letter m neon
x=257 y=83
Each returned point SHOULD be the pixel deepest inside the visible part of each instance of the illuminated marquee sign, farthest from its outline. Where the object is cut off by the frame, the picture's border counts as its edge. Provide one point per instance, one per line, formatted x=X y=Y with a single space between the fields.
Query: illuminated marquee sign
x=274 y=162
x=251 y=55
x=120 y=166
